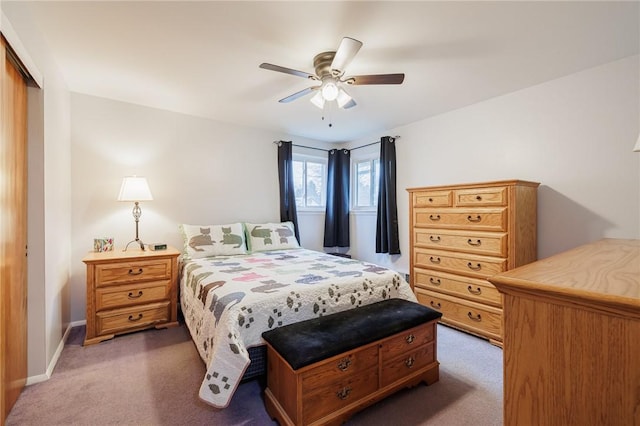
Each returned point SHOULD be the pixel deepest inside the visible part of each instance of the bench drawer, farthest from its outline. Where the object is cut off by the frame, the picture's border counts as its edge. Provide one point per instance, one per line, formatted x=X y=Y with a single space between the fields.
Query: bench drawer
x=406 y=341
x=338 y=394
x=338 y=368
x=406 y=364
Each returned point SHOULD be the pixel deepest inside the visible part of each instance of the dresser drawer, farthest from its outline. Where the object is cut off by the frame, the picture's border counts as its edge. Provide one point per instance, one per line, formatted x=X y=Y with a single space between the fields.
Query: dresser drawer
x=407 y=340
x=478 y=219
x=127 y=272
x=462 y=263
x=477 y=318
x=432 y=198
x=492 y=196
x=488 y=243
x=474 y=289
x=339 y=368
x=407 y=364
x=336 y=394
x=109 y=297
x=124 y=319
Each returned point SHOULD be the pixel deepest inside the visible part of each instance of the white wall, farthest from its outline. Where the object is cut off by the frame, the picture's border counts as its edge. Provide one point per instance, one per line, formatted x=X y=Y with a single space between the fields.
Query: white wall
x=574 y=135
x=200 y=172
x=49 y=196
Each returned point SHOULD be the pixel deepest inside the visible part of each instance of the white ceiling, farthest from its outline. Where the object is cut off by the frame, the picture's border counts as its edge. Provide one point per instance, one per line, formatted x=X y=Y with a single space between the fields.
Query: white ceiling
x=201 y=58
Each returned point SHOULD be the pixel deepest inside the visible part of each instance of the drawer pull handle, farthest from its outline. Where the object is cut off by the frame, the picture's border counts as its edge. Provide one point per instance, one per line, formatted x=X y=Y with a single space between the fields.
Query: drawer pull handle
x=131 y=271
x=435 y=260
x=477 y=318
x=436 y=217
x=470 y=218
x=435 y=305
x=344 y=393
x=431 y=200
x=132 y=319
x=474 y=268
x=477 y=243
x=132 y=296
x=435 y=239
x=472 y=291
x=410 y=338
x=344 y=364
x=479 y=198
x=434 y=281
x=410 y=361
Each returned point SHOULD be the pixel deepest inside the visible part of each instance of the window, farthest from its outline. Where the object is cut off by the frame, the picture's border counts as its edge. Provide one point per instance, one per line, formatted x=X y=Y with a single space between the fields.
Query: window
x=310 y=181
x=367 y=180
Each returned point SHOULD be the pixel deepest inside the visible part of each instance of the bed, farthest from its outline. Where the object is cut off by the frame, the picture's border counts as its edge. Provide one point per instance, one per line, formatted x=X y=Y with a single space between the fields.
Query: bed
x=229 y=299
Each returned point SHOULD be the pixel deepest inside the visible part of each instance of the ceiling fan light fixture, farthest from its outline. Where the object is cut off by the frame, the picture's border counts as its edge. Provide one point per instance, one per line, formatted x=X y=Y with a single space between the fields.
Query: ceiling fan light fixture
x=329 y=90
x=318 y=100
x=343 y=98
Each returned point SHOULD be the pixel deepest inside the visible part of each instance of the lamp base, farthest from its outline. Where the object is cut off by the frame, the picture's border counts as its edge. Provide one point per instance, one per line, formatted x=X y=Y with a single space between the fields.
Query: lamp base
x=137 y=240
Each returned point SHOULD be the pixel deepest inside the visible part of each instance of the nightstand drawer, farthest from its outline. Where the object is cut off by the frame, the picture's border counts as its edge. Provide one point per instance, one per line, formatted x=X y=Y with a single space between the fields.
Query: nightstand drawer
x=135 y=317
x=126 y=272
x=134 y=294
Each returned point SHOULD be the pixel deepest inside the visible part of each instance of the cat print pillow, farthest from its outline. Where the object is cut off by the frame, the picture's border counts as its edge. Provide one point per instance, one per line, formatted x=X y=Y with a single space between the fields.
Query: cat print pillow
x=270 y=236
x=213 y=240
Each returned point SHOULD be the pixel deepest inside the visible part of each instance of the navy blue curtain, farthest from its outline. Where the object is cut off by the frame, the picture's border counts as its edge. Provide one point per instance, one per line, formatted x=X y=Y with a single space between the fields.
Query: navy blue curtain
x=288 y=210
x=336 y=219
x=387 y=240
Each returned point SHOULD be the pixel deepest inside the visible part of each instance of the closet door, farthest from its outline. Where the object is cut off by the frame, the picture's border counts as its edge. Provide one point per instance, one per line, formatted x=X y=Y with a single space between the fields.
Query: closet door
x=13 y=232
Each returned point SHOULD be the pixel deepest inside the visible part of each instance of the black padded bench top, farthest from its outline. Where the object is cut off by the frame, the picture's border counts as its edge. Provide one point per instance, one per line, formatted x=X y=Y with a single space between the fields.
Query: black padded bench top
x=313 y=340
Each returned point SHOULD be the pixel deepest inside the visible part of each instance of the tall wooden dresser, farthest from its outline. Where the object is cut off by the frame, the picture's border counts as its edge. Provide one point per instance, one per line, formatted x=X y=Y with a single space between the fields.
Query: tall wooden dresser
x=462 y=234
x=572 y=337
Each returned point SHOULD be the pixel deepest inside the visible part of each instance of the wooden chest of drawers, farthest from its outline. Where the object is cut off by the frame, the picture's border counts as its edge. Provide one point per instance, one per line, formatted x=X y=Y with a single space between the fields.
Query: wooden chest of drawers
x=130 y=291
x=462 y=234
x=331 y=390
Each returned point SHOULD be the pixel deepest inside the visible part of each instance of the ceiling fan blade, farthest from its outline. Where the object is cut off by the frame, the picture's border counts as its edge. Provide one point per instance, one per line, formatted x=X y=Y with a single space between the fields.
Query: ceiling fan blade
x=376 y=79
x=278 y=68
x=345 y=53
x=299 y=94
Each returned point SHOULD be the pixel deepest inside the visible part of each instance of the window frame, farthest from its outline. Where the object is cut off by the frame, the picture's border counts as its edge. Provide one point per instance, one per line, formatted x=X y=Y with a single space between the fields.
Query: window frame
x=371 y=158
x=307 y=158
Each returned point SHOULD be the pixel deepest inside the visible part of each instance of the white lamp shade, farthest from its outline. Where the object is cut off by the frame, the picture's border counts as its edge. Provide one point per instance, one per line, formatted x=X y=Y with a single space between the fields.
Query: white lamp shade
x=343 y=98
x=318 y=100
x=134 y=188
x=637 y=147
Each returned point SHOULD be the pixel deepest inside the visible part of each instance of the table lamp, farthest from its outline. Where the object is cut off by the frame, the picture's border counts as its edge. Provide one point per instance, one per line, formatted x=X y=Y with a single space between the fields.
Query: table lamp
x=135 y=189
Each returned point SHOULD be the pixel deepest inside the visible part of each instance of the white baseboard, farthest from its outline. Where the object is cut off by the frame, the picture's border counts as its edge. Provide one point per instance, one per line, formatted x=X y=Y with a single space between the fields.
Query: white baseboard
x=31 y=380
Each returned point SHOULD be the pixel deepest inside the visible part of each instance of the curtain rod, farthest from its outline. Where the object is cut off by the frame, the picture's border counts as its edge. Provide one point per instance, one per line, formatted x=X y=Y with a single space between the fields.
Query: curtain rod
x=327 y=150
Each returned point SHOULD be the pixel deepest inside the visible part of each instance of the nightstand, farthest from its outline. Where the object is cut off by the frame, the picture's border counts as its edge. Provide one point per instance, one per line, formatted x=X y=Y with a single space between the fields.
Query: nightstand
x=130 y=291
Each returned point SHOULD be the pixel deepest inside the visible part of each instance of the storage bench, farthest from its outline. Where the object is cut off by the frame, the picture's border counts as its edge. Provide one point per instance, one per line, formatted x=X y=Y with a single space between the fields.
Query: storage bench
x=325 y=369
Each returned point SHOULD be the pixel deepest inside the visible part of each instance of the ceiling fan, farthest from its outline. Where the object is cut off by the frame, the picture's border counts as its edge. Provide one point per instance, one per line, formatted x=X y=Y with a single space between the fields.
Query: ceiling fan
x=330 y=70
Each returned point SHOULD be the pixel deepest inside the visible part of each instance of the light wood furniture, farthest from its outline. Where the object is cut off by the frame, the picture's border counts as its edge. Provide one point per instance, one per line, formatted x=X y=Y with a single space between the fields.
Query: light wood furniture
x=13 y=231
x=462 y=234
x=572 y=337
x=332 y=390
x=130 y=291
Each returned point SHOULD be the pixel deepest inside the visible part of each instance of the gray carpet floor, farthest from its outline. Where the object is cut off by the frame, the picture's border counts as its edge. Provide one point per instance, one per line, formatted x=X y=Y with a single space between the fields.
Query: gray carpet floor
x=152 y=378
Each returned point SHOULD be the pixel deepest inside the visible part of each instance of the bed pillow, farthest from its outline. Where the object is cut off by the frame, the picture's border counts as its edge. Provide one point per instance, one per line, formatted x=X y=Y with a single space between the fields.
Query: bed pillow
x=270 y=236
x=213 y=240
